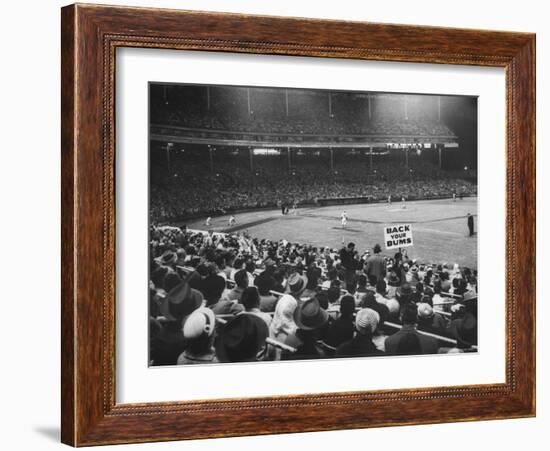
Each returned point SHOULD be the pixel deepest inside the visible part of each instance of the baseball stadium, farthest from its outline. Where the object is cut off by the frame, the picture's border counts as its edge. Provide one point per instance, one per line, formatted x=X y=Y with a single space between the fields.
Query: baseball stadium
x=280 y=190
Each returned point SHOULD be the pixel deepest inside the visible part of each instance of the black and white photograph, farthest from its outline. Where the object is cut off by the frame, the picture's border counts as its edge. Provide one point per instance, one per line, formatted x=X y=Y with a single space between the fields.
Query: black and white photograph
x=295 y=224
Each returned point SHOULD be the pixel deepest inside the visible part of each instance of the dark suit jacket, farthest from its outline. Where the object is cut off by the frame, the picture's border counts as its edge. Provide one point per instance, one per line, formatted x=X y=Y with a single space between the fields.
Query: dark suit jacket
x=339 y=331
x=428 y=345
x=376 y=266
x=348 y=259
x=360 y=345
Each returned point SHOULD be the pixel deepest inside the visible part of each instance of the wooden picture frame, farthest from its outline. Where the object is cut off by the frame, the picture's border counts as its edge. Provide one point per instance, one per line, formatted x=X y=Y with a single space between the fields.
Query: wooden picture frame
x=90 y=36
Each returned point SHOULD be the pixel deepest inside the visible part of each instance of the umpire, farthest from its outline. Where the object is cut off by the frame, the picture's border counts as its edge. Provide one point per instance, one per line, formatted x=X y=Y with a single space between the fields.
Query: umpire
x=470 y=224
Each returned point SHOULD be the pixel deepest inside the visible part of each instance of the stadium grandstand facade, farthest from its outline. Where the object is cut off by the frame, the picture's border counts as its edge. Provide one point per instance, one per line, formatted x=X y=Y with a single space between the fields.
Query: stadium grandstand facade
x=252 y=147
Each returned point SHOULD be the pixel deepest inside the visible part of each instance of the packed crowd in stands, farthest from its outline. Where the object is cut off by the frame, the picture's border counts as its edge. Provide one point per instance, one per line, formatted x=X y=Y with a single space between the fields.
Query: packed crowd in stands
x=196 y=191
x=319 y=125
x=230 y=298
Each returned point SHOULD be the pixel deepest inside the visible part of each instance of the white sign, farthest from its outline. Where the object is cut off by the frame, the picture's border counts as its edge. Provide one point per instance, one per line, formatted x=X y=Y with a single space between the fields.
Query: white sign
x=398 y=235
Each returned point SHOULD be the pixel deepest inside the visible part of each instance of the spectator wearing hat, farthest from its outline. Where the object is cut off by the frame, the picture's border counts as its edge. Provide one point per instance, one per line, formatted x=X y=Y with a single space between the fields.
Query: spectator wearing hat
x=393 y=284
x=242 y=339
x=168 y=342
x=467 y=305
x=168 y=259
x=251 y=302
x=310 y=320
x=393 y=309
x=366 y=323
x=375 y=265
x=464 y=331
x=296 y=285
x=405 y=294
x=180 y=302
x=429 y=320
x=408 y=340
x=198 y=331
x=213 y=290
x=341 y=329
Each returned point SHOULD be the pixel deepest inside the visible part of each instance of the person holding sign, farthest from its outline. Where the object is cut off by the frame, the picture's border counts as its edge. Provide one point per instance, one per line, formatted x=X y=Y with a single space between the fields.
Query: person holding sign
x=375 y=266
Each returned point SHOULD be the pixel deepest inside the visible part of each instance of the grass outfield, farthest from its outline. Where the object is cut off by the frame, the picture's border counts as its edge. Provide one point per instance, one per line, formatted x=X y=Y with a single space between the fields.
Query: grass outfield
x=439 y=227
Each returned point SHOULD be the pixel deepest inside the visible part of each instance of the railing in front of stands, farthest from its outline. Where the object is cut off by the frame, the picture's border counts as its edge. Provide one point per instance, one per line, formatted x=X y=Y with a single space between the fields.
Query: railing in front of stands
x=222 y=319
